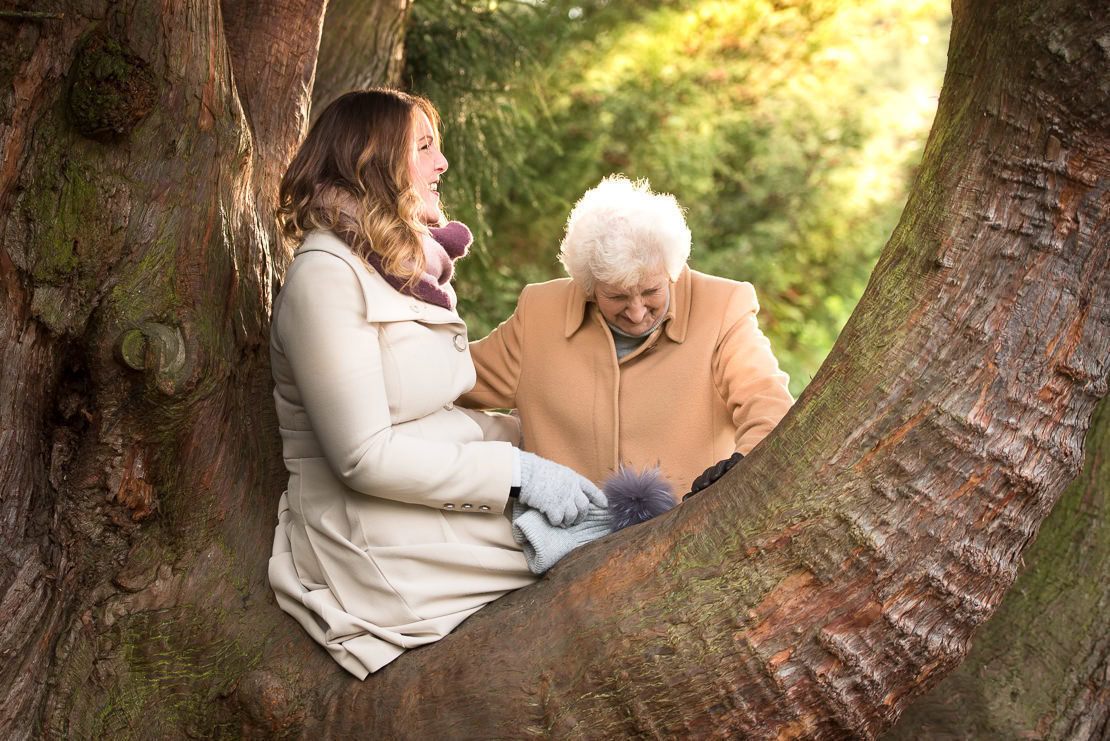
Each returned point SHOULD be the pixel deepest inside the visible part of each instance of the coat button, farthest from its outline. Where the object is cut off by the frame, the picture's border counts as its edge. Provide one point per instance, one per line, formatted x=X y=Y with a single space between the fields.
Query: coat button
x=460 y=342
x=468 y=506
x=448 y=506
x=449 y=405
x=484 y=508
x=415 y=307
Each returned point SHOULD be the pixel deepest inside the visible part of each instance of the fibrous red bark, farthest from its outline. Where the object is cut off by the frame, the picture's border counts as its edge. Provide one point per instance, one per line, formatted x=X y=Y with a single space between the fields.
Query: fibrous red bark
x=136 y=272
x=1040 y=668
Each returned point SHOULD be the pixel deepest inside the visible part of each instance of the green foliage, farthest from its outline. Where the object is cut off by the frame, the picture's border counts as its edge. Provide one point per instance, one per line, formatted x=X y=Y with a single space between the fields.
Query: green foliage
x=788 y=129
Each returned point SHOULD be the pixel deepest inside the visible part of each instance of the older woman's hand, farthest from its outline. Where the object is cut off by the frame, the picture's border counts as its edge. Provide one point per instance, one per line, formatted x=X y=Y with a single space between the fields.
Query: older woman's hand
x=711 y=474
x=562 y=495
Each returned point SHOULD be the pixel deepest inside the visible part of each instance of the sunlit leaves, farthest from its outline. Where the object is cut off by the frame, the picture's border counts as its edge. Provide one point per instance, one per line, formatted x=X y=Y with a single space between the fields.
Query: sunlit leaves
x=788 y=129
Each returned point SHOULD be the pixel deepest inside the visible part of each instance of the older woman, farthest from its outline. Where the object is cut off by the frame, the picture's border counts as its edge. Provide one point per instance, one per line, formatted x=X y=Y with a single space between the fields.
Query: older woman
x=635 y=359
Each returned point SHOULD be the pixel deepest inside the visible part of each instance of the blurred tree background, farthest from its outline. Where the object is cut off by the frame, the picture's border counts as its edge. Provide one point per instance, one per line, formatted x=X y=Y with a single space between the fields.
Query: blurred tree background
x=789 y=129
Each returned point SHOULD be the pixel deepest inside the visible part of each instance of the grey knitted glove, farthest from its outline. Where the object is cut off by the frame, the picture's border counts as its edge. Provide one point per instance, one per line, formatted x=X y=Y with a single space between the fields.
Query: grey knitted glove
x=562 y=495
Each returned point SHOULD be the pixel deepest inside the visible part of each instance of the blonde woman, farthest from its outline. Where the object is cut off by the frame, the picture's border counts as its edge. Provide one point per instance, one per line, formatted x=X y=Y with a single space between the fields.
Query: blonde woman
x=393 y=529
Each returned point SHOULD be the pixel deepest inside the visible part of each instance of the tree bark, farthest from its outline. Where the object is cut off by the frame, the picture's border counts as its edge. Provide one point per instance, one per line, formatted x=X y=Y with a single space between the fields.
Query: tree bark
x=136 y=274
x=834 y=575
x=363 y=46
x=1041 y=667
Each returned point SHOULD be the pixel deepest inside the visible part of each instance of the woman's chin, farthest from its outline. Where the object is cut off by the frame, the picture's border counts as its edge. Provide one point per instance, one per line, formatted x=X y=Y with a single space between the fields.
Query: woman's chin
x=635 y=329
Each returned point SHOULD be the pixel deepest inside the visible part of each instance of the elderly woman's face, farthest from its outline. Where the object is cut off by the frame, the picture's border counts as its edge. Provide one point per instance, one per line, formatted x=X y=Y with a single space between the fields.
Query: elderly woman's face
x=635 y=309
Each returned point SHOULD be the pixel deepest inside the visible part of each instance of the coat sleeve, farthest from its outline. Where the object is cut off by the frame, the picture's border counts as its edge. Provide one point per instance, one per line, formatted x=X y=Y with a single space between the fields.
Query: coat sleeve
x=336 y=360
x=746 y=373
x=498 y=358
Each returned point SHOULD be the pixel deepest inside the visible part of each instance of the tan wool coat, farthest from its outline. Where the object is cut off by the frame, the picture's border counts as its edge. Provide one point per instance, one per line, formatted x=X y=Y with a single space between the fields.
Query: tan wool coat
x=704 y=385
x=393 y=528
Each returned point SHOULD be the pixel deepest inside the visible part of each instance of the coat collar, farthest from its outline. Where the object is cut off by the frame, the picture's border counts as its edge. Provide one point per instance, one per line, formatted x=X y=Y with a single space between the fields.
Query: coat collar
x=383 y=302
x=675 y=323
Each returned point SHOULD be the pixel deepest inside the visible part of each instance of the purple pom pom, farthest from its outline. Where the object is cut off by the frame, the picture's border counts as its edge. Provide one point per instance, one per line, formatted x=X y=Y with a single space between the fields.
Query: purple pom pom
x=636 y=496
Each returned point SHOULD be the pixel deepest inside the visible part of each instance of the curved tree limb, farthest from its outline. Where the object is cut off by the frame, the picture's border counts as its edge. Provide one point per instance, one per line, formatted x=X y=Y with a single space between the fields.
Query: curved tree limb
x=363 y=46
x=1041 y=667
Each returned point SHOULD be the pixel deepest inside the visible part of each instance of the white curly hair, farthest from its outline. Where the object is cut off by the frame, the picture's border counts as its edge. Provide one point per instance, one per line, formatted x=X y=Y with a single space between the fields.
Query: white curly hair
x=620 y=231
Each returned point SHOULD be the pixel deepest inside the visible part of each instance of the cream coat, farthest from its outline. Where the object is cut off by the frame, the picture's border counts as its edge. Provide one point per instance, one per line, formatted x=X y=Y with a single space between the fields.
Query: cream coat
x=704 y=385
x=393 y=528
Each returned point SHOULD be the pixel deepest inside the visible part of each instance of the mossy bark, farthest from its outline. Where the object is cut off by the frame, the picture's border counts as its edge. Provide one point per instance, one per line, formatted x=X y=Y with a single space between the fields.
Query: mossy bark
x=834 y=575
x=137 y=201
x=1040 y=668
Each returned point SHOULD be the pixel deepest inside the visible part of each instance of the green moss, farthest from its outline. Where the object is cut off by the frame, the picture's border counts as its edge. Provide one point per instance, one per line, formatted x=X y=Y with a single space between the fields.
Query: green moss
x=50 y=305
x=64 y=216
x=174 y=671
x=111 y=89
x=147 y=289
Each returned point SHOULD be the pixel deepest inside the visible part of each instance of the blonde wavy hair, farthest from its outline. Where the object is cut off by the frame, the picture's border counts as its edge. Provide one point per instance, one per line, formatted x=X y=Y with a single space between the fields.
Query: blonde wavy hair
x=351 y=176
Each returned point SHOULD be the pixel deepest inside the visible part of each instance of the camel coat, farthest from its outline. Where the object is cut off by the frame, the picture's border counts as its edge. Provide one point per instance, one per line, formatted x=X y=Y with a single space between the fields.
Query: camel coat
x=702 y=386
x=393 y=528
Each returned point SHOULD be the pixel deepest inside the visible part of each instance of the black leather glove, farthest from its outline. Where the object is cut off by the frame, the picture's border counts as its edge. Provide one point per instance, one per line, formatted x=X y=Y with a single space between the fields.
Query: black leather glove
x=711 y=474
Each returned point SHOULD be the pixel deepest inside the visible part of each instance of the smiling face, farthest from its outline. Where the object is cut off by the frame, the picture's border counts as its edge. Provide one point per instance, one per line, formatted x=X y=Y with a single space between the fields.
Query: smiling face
x=426 y=165
x=634 y=309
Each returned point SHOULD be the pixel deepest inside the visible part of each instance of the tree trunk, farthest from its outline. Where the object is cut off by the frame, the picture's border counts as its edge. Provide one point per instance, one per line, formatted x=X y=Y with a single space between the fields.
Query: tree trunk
x=837 y=573
x=137 y=269
x=1041 y=667
x=363 y=46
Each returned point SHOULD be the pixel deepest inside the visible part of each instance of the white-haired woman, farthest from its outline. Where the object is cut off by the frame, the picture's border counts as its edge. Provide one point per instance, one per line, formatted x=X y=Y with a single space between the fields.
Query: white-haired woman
x=634 y=360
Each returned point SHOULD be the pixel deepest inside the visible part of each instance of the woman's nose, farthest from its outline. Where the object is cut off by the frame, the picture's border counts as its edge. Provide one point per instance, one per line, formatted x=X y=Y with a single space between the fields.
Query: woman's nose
x=636 y=312
x=441 y=163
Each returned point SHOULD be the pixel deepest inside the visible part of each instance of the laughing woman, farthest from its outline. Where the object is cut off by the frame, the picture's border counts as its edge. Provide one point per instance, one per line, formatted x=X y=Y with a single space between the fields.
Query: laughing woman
x=393 y=529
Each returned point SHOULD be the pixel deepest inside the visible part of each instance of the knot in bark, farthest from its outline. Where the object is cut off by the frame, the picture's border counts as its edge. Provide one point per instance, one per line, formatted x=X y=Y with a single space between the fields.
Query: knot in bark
x=111 y=90
x=157 y=349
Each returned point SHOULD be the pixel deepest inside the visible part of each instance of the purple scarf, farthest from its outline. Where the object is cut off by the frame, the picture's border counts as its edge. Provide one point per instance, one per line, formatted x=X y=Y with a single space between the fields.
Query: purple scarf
x=445 y=245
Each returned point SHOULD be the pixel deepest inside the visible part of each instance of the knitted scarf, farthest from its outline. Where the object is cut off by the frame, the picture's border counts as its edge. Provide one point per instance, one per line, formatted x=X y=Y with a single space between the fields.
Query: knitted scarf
x=442 y=246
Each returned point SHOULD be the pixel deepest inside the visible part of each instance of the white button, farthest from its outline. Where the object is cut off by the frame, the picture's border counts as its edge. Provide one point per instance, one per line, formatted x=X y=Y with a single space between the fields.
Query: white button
x=468 y=506
x=449 y=405
x=448 y=506
x=460 y=342
x=484 y=508
x=415 y=307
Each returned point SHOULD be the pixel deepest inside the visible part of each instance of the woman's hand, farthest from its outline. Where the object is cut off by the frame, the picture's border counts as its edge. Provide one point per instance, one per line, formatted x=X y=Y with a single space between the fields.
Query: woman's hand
x=711 y=474
x=562 y=495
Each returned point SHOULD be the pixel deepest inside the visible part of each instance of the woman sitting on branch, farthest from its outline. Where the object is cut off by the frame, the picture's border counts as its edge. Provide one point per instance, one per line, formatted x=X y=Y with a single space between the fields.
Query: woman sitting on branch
x=394 y=525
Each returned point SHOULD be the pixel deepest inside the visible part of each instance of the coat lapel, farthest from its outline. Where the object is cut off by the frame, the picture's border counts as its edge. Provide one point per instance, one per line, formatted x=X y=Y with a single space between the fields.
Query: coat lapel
x=383 y=302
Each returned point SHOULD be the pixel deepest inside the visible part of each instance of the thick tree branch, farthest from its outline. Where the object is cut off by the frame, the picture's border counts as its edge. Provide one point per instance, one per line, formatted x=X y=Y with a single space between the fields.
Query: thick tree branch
x=273 y=48
x=1041 y=667
x=128 y=190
